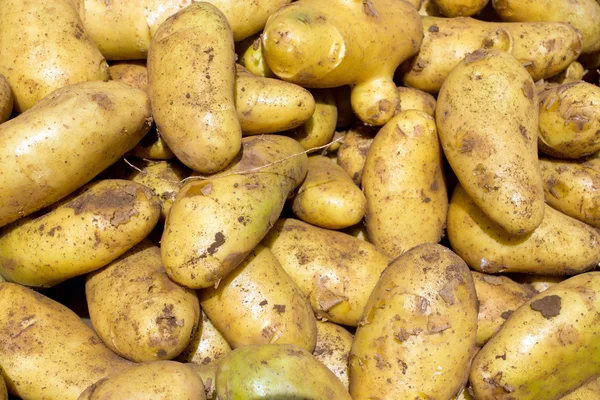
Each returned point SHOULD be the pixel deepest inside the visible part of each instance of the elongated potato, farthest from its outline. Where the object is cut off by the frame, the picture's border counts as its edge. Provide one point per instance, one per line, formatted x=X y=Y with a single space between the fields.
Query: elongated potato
x=417 y=336
x=320 y=127
x=587 y=391
x=562 y=321
x=214 y=223
x=250 y=55
x=415 y=99
x=276 y=371
x=333 y=349
x=352 y=154
x=132 y=73
x=45 y=156
x=259 y=303
x=6 y=100
x=206 y=347
x=335 y=270
x=494 y=157
x=404 y=184
x=47 y=351
x=153 y=147
x=194 y=103
x=561 y=245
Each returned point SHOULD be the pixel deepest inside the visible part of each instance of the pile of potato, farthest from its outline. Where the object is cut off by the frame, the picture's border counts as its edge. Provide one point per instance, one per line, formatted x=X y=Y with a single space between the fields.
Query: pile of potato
x=267 y=199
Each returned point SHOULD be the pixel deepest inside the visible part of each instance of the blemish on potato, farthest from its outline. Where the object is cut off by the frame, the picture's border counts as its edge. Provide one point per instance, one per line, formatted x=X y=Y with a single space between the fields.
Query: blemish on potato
x=549 y=306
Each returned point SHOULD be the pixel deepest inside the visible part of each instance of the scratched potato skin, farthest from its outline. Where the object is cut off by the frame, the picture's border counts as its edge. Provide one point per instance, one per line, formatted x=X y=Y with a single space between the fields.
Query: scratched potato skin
x=547 y=348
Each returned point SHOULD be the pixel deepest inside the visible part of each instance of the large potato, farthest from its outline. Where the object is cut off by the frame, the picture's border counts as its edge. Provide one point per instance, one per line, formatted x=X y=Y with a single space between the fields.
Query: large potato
x=333 y=349
x=417 y=336
x=491 y=145
x=47 y=352
x=6 y=100
x=207 y=345
x=64 y=141
x=547 y=348
x=352 y=154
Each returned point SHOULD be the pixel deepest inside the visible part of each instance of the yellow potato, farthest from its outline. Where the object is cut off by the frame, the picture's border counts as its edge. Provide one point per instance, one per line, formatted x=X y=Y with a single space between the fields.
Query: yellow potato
x=561 y=245
x=404 y=184
x=573 y=73
x=206 y=347
x=429 y=8
x=319 y=45
x=193 y=103
x=320 y=127
x=44 y=47
x=359 y=231
x=352 y=154
x=132 y=73
x=538 y=283
x=491 y=145
x=64 y=141
x=214 y=223
x=415 y=99
x=153 y=147
x=6 y=100
x=47 y=352
x=250 y=55
x=335 y=270
x=208 y=374
x=328 y=198
x=259 y=303
x=417 y=335
x=460 y=8
x=548 y=347
x=333 y=348
x=587 y=391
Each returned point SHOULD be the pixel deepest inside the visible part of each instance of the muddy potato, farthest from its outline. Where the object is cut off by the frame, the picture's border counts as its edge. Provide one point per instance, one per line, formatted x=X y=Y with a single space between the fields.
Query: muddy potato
x=314 y=44
x=153 y=147
x=587 y=391
x=6 y=100
x=561 y=245
x=320 y=127
x=333 y=348
x=132 y=73
x=335 y=270
x=276 y=371
x=415 y=99
x=538 y=283
x=460 y=8
x=250 y=55
x=207 y=345
x=47 y=352
x=149 y=381
x=417 y=336
x=352 y=154
x=548 y=347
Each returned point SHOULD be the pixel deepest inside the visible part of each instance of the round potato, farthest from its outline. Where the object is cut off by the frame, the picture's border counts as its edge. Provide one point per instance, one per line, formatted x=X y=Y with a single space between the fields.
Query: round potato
x=132 y=73
x=333 y=349
x=352 y=154
x=250 y=55
x=320 y=127
x=153 y=147
x=206 y=347
x=6 y=100
x=415 y=99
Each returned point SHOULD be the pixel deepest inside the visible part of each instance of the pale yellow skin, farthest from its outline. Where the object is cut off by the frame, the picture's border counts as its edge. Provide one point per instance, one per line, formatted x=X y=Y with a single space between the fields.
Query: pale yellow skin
x=64 y=141
x=573 y=73
x=44 y=47
x=312 y=43
x=208 y=374
x=581 y=14
x=573 y=189
x=403 y=182
x=415 y=99
x=84 y=233
x=545 y=49
x=352 y=154
x=417 y=336
x=333 y=348
x=6 y=100
x=153 y=147
x=328 y=198
x=193 y=103
x=569 y=120
x=267 y=105
x=491 y=145
x=157 y=380
x=250 y=55
x=132 y=73
x=335 y=270
x=460 y=8
x=359 y=231
x=259 y=303
x=429 y=8
x=274 y=371
x=47 y=351
x=214 y=223
x=538 y=283
x=547 y=348
x=587 y=391
x=320 y=127
x=498 y=297
x=206 y=347
x=561 y=245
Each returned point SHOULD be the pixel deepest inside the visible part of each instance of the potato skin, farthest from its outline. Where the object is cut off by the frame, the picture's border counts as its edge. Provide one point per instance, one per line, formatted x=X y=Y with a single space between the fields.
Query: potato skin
x=153 y=147
x=352 y=154
x=3 y=392
x=208 y=374
x=6 y=100
x=333 y=349
x=590 y=390
x=415 y=99
x=48 y=351
x=105 y=120
x=131 y=72
x=207 y=345
x=194 y=103
x=250 y=56
x=561 y=321
x=319 y=129
x=460 y=8
x=494 y=157
x=418 y=329
x=561 y=245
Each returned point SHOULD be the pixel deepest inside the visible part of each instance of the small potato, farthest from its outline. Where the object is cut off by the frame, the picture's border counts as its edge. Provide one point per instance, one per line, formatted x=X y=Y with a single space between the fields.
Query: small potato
x=276 y=371
x=153 y=147
x=250 y=55
x=429 y=8
x=587 y=391
x=561 y=245
x=157 y=380
x=417 y=336
x=333 y=349
x=352 y=154
x=206 y=347
x=538 y=283
x=208 y=374
x=320 y=127
x=328 y=198
x=415 y=99
x=131 y=73
x=359 y=231
x=335 y=270
x=6 y=100
x=573 y=73
x=460 y=8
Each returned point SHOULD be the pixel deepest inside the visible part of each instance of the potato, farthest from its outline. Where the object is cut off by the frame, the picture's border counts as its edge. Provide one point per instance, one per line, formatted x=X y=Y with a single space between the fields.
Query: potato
x=544 y=48
x=47 y=352
x=573 y=73
x=561 y=322
x=3 y=392
x=333 y=348
x=581 y=14
x=590 y=390
x=276 y=371
x=64 y=141
x=318 y=44
x=206 y=347
x=352 y=154
x=404 y=184
x=215 y=223
x=538 y=283
x=417 y=335
x=460 y=8
x=6 y=100
x=150 y=381
x=250 y=55
x=320 y=127
x=208 y=374
x=259 y=303
x=561 y=245
x=569 y=121
x=498 y=297
x=35 y=67
x=359 y=231
x=131 y=72
x=429 y=8
x=335 y=270
x=415 y=99
x=328 y=198
x=269 y=105
x=194 y=103
x=153 y=147
x=491 y=145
